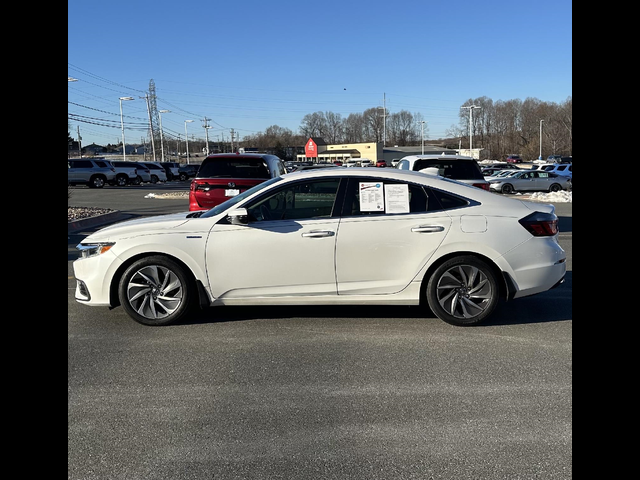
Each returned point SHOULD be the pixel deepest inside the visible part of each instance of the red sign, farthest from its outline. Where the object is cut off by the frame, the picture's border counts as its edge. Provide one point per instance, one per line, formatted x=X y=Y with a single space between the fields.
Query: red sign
x=311 y=149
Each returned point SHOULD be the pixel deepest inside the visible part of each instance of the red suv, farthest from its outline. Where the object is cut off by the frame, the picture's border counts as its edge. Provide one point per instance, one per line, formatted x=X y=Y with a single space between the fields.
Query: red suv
x=514 y=159
x=225 y=175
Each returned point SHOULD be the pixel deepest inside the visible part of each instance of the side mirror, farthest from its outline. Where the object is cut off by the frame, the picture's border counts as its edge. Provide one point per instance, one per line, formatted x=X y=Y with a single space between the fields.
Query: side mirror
x=239 y=216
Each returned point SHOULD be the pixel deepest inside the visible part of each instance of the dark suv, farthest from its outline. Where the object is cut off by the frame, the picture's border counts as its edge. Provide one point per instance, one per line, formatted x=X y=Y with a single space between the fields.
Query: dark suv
x=187 y=171
x=225 y=175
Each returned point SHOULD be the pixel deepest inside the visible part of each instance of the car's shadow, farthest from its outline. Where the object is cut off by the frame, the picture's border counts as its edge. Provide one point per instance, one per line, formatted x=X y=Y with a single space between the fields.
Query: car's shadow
x=551 y=306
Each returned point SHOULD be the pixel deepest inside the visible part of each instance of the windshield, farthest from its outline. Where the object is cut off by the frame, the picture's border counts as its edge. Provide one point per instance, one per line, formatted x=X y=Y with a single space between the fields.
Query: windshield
x=234 y=168
x=238 y=198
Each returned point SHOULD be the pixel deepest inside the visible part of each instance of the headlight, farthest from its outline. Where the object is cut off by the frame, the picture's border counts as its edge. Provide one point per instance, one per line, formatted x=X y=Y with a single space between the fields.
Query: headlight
x=92 y=249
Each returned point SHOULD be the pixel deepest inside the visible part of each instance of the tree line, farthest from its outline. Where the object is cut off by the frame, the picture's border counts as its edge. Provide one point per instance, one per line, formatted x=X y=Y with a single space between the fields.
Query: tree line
x=499 y=128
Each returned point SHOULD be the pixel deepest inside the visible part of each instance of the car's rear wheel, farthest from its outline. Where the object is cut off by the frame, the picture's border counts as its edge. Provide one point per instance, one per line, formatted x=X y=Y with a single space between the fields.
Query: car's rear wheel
x=156 y=291
x=463 y=291
x=137 y=180
x=183 y=176
x=97 y=181
x=555 y=187
x=507 y=188
x=154 y=179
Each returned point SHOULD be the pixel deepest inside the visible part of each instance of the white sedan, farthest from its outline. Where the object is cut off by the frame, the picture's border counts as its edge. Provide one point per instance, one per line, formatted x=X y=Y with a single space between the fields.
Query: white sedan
x=329 y=237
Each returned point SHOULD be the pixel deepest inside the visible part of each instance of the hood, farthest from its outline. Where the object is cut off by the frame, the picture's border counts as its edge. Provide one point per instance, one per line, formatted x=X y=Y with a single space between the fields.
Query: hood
x=139 y=226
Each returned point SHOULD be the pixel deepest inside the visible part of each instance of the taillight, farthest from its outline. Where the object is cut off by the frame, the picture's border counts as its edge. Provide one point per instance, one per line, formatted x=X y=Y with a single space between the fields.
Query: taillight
x=540 y=224
x=192 y=185
x=484 y=186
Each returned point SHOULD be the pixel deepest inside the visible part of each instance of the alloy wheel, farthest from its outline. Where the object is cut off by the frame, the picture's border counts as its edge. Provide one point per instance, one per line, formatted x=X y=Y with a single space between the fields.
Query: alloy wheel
x=154 y=292
x=464 y=291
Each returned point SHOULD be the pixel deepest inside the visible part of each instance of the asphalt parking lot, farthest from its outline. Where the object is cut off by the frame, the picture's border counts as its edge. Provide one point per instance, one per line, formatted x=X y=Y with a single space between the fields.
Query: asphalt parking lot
x=322 y=393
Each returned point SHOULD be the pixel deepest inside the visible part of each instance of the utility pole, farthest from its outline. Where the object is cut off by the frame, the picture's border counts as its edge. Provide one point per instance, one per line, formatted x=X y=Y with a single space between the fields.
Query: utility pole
x=471 y=107
x=232 y=132
x=206 y=134
x=384 y=120
x=422 y=122
x=540 y=157
x=79 y=142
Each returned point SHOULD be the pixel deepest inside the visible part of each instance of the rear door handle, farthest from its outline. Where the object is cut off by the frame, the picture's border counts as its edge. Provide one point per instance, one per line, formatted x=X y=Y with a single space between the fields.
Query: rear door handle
x=318 y=233
x=428 y=229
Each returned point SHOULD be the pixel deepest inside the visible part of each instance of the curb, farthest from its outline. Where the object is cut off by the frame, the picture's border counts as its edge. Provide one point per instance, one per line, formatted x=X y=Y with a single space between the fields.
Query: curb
x=90 y=222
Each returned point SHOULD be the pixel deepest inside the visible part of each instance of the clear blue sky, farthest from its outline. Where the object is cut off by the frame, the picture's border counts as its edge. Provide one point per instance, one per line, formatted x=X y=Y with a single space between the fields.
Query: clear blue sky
x=251 y=64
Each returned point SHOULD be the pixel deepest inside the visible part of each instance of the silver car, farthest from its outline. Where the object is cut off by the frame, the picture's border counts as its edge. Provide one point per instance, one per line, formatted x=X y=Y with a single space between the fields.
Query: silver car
x=530 y=181
x=94 y=173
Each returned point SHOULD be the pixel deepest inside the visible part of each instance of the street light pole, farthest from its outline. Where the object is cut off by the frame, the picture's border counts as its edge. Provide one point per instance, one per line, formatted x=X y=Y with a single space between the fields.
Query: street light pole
x=160 y=112
x=124 y=154
x=186 y=137
x=422 y=134
x=540 y=157
x=471 y=107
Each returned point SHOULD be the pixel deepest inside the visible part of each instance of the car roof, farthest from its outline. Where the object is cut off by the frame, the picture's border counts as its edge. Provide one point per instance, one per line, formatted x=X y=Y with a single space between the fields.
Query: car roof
x=436 y=156
x=240 y=155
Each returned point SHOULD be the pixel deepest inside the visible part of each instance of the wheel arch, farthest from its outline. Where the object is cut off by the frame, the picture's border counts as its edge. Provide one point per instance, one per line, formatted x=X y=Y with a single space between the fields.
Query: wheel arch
x=502 y=277
x=114 y=300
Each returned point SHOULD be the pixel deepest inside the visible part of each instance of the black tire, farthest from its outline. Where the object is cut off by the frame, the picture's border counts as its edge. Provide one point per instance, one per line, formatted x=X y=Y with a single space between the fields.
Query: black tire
x=463 y=291
x=122 y=180
x=183 y=176
x=154 y=179
x=137 y=181
x=97 y=181
x=156 y=291
x=507 y=188
x=555 y=187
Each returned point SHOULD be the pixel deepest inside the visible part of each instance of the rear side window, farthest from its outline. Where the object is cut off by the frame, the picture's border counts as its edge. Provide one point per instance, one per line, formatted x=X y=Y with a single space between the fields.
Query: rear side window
x=232 y=168
x=418 y=200
x=101 y=163
x=453 y=169
x=80 y=164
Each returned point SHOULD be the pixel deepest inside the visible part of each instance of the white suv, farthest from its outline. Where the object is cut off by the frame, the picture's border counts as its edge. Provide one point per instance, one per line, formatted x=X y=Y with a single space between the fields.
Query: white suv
x=158 y=173
x=456 y=167
x=563 y=169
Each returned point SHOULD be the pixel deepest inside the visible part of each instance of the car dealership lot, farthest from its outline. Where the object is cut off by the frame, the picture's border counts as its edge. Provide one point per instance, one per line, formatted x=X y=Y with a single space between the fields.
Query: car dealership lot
x=329 y=392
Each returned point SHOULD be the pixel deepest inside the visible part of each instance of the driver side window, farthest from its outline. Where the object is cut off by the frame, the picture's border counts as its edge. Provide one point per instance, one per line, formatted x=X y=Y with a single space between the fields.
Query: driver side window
x=304 y=200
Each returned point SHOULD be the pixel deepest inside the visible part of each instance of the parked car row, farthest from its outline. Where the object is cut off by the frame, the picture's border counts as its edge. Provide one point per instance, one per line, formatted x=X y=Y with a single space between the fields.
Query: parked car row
x=98 y=172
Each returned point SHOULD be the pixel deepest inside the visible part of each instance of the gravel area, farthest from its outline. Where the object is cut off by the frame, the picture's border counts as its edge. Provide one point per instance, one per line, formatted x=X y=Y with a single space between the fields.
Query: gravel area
x=78 y=213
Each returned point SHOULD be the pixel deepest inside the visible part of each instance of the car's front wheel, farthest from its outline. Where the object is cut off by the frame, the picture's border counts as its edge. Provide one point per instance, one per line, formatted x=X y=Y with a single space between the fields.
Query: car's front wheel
x=507 y=188
x=183 y=176
x=156 y=291
x=122 y=180
x=463 y=291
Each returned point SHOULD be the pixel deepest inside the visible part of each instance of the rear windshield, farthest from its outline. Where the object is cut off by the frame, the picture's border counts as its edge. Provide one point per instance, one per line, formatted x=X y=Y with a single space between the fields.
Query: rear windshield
x=454 y=169
x=234 y=168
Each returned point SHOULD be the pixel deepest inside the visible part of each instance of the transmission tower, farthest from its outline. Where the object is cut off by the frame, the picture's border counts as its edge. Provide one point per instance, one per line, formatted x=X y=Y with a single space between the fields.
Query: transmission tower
x=153 y=112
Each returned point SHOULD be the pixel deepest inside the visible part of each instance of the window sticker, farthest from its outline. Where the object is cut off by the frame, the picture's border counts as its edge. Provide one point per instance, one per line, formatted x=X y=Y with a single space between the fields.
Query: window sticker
x=396 y=198
x=371 y=197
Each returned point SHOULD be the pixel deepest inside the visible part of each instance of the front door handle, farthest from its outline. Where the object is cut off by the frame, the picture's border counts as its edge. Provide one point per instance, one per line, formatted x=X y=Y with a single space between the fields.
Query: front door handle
x=318 y=233
x=428 y=229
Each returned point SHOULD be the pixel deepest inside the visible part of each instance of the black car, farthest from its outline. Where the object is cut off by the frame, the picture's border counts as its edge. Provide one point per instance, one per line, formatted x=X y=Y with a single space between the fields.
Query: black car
x=188 y=170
